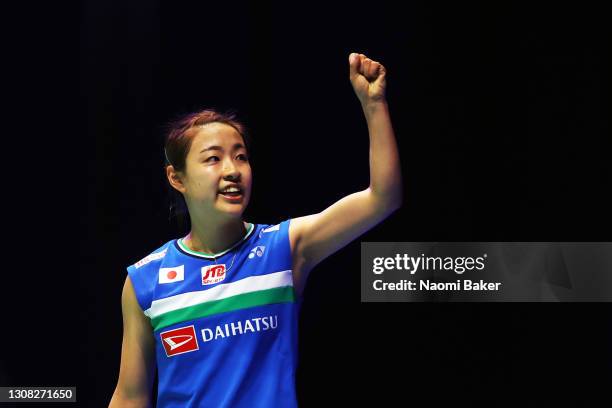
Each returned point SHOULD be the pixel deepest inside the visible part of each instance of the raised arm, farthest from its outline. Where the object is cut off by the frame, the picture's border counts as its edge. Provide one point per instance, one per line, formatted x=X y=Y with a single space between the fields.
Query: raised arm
x=137 y=370
x=315 y=237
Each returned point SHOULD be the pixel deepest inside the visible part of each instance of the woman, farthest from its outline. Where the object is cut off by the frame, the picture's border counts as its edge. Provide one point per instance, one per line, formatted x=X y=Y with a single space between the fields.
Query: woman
x=216 y=311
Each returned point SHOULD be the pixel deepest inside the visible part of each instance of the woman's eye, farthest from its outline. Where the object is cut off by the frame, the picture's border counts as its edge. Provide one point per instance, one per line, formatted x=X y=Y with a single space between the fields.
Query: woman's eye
x=243 y=157
x=212 y=157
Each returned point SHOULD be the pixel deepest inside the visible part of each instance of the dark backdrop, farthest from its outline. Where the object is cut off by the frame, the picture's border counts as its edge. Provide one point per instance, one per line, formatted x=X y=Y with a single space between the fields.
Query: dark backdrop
x=501 y=115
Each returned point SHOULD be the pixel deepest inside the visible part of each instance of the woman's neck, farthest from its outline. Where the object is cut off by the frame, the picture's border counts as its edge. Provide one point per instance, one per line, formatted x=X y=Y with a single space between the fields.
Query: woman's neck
x=213 y=238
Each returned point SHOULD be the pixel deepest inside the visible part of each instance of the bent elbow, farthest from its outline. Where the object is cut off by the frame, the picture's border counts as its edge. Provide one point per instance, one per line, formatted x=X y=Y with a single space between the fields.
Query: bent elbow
x=395 y=201
x=388 y=202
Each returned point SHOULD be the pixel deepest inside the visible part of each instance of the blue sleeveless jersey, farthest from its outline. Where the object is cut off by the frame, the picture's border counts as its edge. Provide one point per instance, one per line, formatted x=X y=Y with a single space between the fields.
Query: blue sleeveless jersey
x=225 y=330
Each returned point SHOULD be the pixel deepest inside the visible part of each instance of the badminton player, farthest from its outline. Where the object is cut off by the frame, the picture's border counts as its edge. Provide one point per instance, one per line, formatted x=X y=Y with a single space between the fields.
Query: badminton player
x=216 y=312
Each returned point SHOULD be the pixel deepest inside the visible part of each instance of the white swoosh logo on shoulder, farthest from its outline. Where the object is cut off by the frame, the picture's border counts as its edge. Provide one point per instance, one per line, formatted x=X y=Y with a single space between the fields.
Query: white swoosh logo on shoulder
x=270 y=229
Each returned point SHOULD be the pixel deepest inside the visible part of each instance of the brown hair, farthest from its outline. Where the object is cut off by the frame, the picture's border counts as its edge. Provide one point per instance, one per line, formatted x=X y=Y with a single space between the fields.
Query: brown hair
x=181 y=131
x=179 y=136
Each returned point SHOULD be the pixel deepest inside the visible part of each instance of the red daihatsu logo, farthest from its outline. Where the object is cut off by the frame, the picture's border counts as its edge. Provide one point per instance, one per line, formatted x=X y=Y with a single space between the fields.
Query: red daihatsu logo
x=179 y=341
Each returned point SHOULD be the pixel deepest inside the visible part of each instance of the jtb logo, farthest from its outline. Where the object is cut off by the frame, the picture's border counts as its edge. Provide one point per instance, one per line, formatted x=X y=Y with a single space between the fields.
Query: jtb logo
x=213 y=274
x=179 y=341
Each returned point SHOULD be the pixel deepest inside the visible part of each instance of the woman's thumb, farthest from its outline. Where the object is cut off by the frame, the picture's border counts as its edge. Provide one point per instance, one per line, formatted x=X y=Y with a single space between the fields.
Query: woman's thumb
x=353 y=64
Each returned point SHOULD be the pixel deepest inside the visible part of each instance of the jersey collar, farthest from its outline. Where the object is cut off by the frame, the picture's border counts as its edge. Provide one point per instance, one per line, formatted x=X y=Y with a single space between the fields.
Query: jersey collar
x=180 y=245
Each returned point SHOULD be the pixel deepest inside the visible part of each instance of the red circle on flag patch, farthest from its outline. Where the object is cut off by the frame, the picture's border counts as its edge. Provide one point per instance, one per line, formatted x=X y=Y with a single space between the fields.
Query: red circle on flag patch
x=171 y=275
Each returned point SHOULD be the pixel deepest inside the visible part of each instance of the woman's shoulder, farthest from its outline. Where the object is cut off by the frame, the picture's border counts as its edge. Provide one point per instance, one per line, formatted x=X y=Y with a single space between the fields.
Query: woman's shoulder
x=154 y=255
x=265 y=226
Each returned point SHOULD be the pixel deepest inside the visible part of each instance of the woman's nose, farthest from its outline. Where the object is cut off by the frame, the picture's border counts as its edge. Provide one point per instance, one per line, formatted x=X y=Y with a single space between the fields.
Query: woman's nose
x=230 y=169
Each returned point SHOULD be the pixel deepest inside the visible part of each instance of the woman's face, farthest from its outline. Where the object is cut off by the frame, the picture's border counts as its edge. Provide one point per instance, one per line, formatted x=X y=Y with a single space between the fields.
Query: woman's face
x=216 y=160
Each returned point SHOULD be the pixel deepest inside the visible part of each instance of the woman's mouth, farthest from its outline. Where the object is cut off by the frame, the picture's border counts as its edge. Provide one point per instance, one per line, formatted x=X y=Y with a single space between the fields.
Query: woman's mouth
x=233 y=196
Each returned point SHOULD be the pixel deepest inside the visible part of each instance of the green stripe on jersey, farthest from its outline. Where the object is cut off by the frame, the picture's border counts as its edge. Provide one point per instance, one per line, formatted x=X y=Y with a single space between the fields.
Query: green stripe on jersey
x=179 y=305
x=242 y=301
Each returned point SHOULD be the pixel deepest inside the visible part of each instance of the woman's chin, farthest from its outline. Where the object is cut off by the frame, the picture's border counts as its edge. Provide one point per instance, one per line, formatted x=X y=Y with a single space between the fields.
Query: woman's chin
x=231 y=205
x=231 y=209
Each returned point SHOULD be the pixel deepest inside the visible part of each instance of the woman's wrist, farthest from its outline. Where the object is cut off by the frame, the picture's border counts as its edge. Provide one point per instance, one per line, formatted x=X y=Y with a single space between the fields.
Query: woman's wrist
x=374 y=106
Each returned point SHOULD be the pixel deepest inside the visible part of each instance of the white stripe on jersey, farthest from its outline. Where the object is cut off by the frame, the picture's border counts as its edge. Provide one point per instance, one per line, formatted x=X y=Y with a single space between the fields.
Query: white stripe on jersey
x=246 y=285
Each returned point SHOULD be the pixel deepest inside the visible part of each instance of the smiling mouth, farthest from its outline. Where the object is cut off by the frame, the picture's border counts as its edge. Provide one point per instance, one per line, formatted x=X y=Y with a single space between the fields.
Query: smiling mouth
x=235 y=196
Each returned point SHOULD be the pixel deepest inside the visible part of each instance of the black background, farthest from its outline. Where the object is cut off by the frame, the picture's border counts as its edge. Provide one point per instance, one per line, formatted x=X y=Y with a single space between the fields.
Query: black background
x=501 y=115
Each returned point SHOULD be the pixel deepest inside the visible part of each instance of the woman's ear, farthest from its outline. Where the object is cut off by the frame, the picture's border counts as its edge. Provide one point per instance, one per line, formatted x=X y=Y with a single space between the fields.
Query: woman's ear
x=175 y=179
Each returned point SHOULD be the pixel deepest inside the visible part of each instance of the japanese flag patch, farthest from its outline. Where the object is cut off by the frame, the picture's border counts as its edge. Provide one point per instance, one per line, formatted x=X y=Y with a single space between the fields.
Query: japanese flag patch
x=169 y=275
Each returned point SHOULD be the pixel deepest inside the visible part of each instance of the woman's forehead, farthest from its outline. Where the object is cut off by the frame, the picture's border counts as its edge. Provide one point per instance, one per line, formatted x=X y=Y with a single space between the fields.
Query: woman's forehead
x=216 y=134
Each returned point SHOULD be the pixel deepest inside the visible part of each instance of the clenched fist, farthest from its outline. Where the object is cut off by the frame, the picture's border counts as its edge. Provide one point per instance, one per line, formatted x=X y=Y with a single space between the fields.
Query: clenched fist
x=368 y=78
